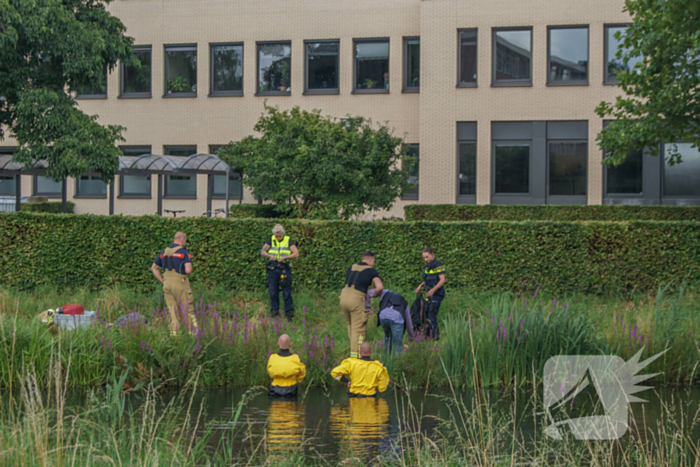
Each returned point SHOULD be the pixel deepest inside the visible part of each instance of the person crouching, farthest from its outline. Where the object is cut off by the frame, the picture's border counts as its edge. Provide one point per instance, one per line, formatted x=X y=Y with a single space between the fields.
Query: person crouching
x=286 y=370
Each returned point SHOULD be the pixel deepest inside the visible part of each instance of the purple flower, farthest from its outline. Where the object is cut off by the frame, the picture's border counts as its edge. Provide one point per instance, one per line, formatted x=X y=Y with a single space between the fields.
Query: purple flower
x=504 y=334
x=537 y=291
x=555 y=301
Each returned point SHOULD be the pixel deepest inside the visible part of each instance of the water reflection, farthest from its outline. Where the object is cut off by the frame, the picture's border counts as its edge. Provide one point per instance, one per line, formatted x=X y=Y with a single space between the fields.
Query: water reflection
x=285 y=427
x=362 y=426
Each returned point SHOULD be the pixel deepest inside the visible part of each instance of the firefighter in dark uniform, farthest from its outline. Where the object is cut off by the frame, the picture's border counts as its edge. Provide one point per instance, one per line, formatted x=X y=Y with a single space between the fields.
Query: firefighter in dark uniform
x=279 y=248
x=177 y=264
x=434 y=280
x=358 y=278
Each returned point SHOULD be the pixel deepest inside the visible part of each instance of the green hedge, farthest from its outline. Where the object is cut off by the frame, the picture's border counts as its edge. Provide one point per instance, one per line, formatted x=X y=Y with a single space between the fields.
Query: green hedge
x=264 y=211
x=490 y=212
x=49 y=207
x=99 y=251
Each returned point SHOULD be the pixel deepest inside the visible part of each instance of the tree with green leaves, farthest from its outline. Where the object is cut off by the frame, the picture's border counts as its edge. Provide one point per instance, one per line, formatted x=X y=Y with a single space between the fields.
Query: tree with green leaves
x=313 y=166
x=661 y=103
x=48 y=50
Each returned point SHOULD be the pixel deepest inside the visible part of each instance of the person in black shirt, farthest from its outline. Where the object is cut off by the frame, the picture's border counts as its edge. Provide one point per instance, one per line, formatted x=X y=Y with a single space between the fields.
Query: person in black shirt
x=434 y=280
x=358 y=278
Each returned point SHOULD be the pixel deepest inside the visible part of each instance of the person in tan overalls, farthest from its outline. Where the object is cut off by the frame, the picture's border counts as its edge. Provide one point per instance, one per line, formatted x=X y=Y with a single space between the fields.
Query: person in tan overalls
x=177 y=264
x=358 y=278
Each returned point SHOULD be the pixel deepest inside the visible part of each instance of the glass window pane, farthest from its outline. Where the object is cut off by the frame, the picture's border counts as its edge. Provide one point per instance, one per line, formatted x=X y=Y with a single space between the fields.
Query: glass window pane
x=467 y=57
x=322 y=65
x=413 y=150
x=234 y=186
x=138 y=78
x=91 y=185
x=513 y=55
x=47 y=185
x=181 y=70
x=626 y=178
x=413 y=63
x=97 y=90
x=226 y=68
x=180 y=185
x=467 y=168
x=615 y=64
x=7 y=185
x=683 y=179
x=372 y=65
x=568 y=59
x=135 y=150
x=136 y=184
x=512 y=168
x=274 y=67
x=567 y=168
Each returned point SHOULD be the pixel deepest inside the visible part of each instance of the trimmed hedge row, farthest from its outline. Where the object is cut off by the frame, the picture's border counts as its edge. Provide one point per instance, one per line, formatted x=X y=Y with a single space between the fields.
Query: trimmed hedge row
x=490 y=212
x=101 y=251
x=52 y=207
x=262 y=211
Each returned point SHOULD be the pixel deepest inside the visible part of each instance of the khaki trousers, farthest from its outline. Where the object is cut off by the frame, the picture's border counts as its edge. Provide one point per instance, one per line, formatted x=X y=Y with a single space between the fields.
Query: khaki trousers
x=352 y=304
x=178 y=297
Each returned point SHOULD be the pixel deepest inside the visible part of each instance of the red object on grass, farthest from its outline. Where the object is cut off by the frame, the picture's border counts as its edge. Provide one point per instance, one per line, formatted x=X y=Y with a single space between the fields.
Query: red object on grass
x=73 y=309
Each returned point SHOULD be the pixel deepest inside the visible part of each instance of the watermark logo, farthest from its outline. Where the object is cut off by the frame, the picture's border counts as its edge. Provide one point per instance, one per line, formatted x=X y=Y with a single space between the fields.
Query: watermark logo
x=590 y=395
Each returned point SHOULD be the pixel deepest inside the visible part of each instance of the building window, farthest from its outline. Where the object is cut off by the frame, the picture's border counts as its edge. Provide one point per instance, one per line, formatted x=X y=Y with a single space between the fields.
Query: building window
x=682 y=180
x=612 y=45
x=567 y=168
x=411 y=64
x=235 y=187
x=274 y=68
x=7 y=182
x=136 y=80
x=626 y=178
x=90 y=186
x=98 y=91
x=180 y=70
x=467 y=168
x=412 y=193
x=44 y=186
x=180 y=186
x=135 y=186
x=371 y=71
x=226 y=69
x=322 y=65
x=568 y=55
x=512 y=57
x=512 y=168
x=467 y=57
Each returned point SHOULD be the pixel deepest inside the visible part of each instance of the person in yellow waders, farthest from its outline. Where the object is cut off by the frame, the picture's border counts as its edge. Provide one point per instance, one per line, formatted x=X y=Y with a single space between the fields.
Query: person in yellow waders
x=286 y=370
x=358 y=278
x=363 y=375
x=176 y=262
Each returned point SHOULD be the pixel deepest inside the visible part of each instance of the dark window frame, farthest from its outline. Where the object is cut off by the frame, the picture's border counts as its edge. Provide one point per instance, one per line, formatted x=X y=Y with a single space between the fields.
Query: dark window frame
x=405 y=87
x=671 y=199
x=354 y=65
x=165 y=181
x=414 y=196
x=165 y=71
x=565 y=199
x=579 y=82
x=514 y=142
x=606 y=195
x=103 y=95
x=211 y=70
x=312 y=92
x=258 y=92
x=9 y=150
x=607 y=80
x=212 y=150
x=494 y=58
x=47 y=194
x=148 y=150
x=77 y=194
x=466 y=199
x=459 y=58
x=136 y=95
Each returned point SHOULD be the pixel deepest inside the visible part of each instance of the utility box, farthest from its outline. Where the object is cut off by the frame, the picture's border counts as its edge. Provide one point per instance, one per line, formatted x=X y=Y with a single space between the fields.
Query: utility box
x=71 y=322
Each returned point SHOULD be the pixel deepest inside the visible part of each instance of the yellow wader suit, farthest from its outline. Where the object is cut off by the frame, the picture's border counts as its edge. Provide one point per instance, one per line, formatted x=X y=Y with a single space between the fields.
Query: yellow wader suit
x=352 y=304
x=367 y=376
x=177 y=292
x=361 y=426
x=286 y=371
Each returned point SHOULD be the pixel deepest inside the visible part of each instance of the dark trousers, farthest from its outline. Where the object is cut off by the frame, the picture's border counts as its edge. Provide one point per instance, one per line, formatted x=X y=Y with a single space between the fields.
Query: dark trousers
x=273 y=285
x=431 y=312
x=393 y=335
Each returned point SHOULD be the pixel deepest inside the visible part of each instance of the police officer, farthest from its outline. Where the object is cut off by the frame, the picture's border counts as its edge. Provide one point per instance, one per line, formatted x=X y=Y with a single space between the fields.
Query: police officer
x=434 y=280
x=358 y=278
x=279 y=249
x=176 y=262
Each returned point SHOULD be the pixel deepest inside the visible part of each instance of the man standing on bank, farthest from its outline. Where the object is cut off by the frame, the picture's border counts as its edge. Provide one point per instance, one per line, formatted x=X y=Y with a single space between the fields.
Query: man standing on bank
x=434 y=280
x=279 y=249
x=358 y=278
x=177 y=265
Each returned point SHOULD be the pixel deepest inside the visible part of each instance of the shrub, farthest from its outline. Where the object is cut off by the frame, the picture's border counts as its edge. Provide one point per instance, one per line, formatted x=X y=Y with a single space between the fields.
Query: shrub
x=49 y=207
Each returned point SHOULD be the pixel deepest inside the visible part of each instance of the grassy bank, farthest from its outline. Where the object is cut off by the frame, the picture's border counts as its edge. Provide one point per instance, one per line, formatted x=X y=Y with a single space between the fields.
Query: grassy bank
x=487 y=339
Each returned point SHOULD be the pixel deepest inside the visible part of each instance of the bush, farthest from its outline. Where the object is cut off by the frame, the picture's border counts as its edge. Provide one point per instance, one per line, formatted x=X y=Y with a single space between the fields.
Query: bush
x=490 y=212
x=101 y=251
x=50 y=207
x=261 y=211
